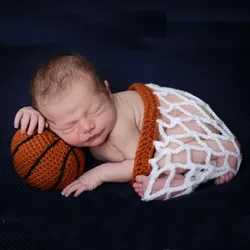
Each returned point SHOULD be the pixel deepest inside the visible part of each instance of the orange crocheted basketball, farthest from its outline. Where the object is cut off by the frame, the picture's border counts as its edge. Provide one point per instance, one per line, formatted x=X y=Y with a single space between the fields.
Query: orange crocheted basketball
x=45 y=160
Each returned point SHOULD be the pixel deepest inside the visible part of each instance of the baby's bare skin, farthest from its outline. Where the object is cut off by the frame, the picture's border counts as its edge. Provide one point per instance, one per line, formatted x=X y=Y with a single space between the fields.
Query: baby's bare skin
x=120 y=147
x=119 y=123
x=123 y=140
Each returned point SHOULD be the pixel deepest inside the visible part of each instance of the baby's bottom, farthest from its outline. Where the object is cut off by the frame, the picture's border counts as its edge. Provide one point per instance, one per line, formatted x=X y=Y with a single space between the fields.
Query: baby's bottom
x=198 y=157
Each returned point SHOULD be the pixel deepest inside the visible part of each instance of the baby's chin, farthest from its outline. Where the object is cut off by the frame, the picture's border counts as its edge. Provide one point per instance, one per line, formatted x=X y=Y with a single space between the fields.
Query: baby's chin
x=84 y=144
x=96 y=142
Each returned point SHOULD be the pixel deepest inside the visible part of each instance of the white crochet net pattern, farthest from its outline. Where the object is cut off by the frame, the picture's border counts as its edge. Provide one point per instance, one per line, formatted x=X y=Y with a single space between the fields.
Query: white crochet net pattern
x=197 y=173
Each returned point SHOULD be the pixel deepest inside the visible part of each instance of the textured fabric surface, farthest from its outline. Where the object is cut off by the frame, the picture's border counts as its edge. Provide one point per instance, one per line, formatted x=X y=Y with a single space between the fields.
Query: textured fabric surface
x=200 y=132
x=145 y=149
x=200 y=49
x=45 y=161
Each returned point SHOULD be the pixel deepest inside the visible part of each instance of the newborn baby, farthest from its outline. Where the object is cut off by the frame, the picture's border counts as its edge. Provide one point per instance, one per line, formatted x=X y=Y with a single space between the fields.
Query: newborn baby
x=69 y=97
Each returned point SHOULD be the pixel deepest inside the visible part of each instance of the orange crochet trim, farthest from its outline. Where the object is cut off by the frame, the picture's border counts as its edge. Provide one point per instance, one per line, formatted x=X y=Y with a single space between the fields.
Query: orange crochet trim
x=145 y=148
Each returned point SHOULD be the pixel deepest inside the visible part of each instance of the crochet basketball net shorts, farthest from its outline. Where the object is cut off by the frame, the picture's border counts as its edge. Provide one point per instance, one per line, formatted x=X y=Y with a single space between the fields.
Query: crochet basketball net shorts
x=147 y=164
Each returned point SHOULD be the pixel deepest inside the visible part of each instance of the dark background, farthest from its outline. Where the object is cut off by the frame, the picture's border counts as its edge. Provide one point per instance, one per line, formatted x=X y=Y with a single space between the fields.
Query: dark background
x=198 y=47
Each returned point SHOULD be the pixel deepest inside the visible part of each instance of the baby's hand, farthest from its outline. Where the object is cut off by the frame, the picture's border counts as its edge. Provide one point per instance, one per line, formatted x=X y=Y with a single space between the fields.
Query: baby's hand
x=86 y=182
x=29 y=118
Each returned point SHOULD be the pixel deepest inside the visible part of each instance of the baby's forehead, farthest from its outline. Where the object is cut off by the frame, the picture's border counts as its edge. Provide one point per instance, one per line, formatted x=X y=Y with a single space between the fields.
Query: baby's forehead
x=99 y=95
x=86 y=81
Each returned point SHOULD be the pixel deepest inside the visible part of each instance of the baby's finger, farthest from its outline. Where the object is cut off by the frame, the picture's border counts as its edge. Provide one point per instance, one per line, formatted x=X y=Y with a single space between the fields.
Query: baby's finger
x=18 y=118
x=64 y=191
x=33 y=123
x=71 y=188
x=81 y=189
x=41 y=124
x=24 y=122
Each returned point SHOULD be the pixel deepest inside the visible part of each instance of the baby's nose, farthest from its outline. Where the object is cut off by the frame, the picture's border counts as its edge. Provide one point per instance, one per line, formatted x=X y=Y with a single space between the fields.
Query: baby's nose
x=87 y=126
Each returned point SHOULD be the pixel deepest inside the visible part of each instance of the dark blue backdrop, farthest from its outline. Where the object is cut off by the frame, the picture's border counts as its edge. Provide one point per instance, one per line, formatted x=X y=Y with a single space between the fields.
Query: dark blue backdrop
x=201 y=48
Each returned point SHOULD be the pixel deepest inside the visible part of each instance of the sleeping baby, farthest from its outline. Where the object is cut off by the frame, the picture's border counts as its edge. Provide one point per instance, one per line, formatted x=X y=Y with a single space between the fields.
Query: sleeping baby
x=164 y=141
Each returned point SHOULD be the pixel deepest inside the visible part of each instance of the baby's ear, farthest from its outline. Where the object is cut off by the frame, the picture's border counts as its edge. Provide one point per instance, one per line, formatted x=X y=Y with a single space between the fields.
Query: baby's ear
x=107 y=87
x=106 y=84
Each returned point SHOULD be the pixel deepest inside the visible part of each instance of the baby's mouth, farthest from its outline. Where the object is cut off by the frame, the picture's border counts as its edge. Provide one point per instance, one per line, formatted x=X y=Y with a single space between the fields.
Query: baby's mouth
x=92 y=138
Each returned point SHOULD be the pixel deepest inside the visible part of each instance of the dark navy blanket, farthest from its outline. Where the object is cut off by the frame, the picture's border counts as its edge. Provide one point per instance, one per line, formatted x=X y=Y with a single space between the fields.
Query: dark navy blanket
x=197 y=48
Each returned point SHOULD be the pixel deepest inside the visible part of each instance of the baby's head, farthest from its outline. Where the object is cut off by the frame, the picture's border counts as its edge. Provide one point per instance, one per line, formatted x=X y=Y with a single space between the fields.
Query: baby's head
x=76 y=103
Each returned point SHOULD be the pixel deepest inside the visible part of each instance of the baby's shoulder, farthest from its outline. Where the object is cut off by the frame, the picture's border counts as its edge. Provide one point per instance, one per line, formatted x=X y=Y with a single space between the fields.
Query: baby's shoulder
x=129 y=96
x=132 y=105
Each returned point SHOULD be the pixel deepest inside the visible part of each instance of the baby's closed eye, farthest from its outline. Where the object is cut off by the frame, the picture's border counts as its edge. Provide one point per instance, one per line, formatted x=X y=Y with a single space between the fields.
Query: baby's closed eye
x=96 y=111
x=68 y=129
x=71 y=126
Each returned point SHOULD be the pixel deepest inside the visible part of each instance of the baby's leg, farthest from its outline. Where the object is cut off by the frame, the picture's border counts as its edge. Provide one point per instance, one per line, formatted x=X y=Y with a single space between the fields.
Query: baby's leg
x=178 y=180
x=193 y=126
x=232 y=160
x=198 y=157
x=142 y=182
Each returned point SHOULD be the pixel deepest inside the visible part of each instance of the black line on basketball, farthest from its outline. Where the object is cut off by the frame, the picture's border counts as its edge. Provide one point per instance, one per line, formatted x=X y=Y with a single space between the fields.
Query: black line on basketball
x=40 y=157
x=62 y=169
x=21 y=143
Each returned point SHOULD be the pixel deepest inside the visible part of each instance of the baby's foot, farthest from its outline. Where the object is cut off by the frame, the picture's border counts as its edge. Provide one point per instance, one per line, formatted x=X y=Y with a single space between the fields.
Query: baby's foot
x=142 y=182
x=232 y=161
x=224 y=178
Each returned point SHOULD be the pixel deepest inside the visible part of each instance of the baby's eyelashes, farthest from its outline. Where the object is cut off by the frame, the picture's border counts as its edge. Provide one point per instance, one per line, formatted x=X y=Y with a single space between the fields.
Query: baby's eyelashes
x=96 y=111
x=64 y=130
x=69 y=128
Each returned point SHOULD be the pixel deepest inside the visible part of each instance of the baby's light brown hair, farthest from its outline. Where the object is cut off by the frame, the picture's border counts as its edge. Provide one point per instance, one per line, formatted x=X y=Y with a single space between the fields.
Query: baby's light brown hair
x=58 y=73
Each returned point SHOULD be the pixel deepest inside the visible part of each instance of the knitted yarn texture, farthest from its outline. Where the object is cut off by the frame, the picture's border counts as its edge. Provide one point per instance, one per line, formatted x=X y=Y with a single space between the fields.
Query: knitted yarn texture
x=145 y=149
x=147 y=164
x=45 y=161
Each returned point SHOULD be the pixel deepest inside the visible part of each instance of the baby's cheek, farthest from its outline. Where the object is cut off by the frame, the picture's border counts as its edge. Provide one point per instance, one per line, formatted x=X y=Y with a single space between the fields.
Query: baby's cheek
x=105 y=120
x=71 y=139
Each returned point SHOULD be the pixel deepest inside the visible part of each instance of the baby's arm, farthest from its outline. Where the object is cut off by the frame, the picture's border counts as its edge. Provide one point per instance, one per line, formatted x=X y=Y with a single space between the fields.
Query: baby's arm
x=107 y=172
